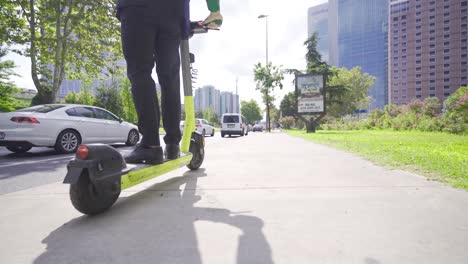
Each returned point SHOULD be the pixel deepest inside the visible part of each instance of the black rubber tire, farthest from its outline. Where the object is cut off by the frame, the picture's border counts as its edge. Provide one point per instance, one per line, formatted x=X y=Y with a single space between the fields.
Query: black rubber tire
x=198 y=151
x=19 y=148
x=131 y=140
x=212 y=132
x=69 y=134
x=87 y=200
x=222 y=134
x=242 y=133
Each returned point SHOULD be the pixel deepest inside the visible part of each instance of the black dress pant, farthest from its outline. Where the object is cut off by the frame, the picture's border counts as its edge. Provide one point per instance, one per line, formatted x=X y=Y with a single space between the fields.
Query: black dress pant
x=149 y=38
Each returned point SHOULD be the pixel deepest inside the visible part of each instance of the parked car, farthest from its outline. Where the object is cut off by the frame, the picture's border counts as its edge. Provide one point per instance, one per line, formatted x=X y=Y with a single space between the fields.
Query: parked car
x=63 y=127
x=202 y=127
x=257 y=127
x=233 y=124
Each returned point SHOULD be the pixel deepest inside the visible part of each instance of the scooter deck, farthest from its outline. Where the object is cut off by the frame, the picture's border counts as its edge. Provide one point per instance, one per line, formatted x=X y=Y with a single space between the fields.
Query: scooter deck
x=139 y=173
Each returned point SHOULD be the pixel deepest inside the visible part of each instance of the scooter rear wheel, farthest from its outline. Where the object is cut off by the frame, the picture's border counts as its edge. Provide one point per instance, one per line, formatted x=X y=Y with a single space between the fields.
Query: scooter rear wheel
x=90 y=200
x=197 y=148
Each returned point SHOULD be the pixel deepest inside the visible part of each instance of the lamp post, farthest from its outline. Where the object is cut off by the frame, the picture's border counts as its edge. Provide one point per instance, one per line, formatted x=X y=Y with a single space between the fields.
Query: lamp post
x=266 y=65
x=266 y=30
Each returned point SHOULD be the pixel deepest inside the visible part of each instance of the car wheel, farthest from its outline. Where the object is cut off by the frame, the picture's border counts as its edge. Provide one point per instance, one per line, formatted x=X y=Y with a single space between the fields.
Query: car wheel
x=222 y=134
x=242 y=133
x=133 y=138
x=212 y=132
x=19 y=148
x=67 y=142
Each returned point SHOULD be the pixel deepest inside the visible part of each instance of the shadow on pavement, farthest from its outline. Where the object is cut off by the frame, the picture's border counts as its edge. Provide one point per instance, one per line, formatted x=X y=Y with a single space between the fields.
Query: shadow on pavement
x=156 y=225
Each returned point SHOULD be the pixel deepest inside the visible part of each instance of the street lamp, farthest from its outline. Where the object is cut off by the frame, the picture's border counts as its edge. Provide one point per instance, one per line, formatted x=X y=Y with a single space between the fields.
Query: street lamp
x=266 y=18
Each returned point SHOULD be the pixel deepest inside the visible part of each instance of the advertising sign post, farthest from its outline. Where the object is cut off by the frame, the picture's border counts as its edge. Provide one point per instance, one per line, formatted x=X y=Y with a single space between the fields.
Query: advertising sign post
x=310 y=94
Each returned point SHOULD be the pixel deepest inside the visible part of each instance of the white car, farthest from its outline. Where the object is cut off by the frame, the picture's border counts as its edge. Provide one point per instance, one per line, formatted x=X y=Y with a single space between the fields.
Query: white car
x=64 y=127
x=233 y=124
x=202 y=127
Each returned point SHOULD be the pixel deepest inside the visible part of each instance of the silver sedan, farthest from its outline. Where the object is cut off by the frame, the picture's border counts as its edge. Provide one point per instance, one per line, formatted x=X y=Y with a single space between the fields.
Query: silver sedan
x=64 y=127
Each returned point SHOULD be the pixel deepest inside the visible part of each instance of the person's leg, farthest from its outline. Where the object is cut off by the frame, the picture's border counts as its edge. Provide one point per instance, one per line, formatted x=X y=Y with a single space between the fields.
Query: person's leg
x=167 y=44
x=138 y=32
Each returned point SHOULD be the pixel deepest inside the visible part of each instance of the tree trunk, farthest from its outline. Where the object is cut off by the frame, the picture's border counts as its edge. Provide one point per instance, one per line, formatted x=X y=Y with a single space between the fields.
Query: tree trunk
x=310 y=124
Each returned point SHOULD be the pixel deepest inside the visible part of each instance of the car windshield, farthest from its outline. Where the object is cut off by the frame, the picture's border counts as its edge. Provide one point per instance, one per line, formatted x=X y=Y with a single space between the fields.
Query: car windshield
x=231 y=119
x=40 y=108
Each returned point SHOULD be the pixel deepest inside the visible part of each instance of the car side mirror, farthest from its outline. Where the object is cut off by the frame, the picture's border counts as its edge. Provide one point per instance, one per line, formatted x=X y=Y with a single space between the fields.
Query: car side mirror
x=120 y=120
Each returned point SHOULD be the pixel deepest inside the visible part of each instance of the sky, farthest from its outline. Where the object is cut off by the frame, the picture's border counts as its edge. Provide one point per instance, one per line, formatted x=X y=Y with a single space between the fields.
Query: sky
x=223 y=56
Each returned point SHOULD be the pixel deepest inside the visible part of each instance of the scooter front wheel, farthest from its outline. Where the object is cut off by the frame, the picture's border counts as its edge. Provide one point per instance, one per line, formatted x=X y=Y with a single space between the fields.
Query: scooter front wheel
x=90 y=199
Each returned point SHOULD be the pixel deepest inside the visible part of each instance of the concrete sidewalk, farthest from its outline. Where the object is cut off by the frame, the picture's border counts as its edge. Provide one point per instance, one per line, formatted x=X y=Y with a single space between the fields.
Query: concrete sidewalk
x=263 y=198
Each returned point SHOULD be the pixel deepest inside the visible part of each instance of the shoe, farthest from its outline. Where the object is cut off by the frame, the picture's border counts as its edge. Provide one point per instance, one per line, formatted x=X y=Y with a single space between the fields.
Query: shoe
x=172 y=151
x=147 y=155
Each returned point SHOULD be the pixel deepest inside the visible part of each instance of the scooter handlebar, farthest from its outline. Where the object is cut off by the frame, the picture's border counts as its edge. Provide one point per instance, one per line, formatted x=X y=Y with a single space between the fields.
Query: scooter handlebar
x=196 y=28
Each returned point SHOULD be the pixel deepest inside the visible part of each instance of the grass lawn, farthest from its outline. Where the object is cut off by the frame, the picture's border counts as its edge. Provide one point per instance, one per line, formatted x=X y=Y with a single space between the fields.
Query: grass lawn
x=438 y=156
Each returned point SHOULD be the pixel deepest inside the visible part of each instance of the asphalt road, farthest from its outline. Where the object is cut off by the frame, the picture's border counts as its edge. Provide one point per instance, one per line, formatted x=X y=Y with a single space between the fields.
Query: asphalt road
x=262 y=199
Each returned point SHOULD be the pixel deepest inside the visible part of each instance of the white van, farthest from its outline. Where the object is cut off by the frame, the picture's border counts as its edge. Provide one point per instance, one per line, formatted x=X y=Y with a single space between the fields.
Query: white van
x=233 y=124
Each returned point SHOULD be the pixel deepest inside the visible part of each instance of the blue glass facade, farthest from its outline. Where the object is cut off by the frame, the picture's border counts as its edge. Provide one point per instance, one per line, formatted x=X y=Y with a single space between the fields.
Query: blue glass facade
x=363 y=41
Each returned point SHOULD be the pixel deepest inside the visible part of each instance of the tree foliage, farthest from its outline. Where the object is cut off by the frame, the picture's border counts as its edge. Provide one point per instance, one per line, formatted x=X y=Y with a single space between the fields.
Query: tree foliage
x=352 y=95
x=7 y=88
x=108 y=97
x=211 y=116
x=267 y=78
x=85 y=97
x=288 y=105
x=251 y=111
x=127 y=101
x=63 y=38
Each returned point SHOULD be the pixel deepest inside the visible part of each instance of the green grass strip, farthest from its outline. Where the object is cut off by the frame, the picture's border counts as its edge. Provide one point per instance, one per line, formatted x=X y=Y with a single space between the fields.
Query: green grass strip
x=439 y=156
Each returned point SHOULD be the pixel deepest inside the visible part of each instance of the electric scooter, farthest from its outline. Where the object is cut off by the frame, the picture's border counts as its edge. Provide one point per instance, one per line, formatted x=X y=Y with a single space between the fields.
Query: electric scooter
x=99 y=173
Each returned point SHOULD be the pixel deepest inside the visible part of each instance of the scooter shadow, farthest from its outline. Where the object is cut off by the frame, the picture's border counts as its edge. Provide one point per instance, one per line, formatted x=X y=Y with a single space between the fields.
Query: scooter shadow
x=156 y=225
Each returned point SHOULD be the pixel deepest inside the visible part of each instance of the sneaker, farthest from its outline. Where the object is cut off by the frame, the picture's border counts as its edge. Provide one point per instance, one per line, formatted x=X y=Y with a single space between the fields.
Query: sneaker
x=172 y=151
x=148 y=155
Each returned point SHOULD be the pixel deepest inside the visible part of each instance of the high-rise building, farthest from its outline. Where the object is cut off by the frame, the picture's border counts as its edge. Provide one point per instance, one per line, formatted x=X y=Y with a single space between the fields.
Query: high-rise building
x=229 y=103
x=362 y=41
x=207 y=97
x=318 y=22
x=428 y=48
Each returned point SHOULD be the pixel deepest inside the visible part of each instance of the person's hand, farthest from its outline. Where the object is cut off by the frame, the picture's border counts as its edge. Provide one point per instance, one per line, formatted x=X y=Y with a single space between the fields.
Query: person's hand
x=213 y=21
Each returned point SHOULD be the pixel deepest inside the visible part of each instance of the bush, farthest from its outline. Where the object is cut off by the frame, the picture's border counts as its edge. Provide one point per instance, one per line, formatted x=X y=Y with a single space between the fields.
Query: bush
x=455 y=118
x=287 y=122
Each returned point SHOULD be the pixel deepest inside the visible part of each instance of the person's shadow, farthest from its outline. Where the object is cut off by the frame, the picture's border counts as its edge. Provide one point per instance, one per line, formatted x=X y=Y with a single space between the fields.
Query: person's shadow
x=153 y=226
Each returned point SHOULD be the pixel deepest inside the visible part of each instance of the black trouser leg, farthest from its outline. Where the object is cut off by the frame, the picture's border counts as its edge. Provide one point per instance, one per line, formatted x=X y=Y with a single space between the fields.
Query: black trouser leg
x=138 y=33
x=167 y=44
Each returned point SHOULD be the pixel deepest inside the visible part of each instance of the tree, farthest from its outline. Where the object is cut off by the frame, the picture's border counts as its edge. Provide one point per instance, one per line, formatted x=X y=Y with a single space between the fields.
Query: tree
x=129 y=109
x=251 y=111
x=63 y=38
x=85 y=97
x=211 y=116
x=288 y=105
x=7 y=88
x=267 y=79
x=353 y=96
x=108 y=97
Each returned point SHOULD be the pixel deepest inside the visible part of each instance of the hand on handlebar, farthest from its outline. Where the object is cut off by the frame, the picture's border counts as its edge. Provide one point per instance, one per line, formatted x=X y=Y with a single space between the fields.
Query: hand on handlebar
x=213 y=21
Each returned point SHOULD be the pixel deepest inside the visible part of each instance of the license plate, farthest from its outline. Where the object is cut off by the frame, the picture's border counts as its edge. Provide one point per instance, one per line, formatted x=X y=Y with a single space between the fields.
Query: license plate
x=2 y=135
x=230 y=126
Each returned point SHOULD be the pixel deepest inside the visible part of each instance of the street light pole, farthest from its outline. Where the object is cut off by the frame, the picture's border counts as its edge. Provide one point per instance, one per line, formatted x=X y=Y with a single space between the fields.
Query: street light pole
x=266 y=32
x=266 y=65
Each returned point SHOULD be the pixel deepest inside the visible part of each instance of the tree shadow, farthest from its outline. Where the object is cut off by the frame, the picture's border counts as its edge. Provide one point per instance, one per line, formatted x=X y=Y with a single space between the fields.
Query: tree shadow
x=156 y=225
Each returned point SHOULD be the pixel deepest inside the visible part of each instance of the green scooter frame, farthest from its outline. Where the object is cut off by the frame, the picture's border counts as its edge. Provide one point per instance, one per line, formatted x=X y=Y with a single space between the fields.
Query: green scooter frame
x=99 y=173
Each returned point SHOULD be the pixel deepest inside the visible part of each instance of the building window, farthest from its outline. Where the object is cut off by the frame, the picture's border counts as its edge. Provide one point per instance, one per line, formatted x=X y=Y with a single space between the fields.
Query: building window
x=431 y=25
x=446 y=7
x=418 y=68
x=447 y=80
x=418 y=48
x=447 y=58
x=418 y=89
x=446 y=72
x=418 y=41
x=418 y=27
x=446 y=22
x=418 y=76
x=432 y=10
x=446 y=65
x=431 y=31
x=431 y=95
x=432 y=59
x=418 y=62
x=446 y=14
x=432 y=52
x=432 y=67
x=403 y=24
x=432 y=38
x=447 y=36
x=403 y=50
x=418 y=96
x=446 y=28
x=432 y=88
x=446 y=87
x=446 y=51
x=395 y=19
x=418 y=55
x=418 y=6
x=446 y=94
x=447 y=43
x=418 y=83
x=432 y=81
x=432 y=17
x=418 y=20
x=432 y=74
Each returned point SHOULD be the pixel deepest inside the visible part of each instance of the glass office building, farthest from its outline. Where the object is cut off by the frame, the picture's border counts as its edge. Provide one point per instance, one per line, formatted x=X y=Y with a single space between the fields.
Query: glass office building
x=363 y=41
x=318 y=22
